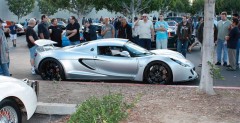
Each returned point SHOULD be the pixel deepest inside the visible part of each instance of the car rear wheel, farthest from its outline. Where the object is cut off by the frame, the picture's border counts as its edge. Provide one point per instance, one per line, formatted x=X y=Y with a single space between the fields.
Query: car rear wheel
x=51 y=69
x=10 y=112
x=158 y=73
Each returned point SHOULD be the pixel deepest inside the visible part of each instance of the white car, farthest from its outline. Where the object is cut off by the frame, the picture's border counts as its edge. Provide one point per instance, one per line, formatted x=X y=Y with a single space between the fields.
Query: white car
x=17 y=97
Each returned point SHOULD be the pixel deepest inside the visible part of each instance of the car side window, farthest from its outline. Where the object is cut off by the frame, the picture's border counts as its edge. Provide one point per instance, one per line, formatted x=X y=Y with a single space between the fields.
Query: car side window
x=104 y=50
x=110 y=51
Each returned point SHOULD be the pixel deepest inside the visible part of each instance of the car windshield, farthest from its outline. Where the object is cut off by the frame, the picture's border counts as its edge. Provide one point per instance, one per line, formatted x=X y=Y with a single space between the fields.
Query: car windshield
x=171 y=23
x=135 y=50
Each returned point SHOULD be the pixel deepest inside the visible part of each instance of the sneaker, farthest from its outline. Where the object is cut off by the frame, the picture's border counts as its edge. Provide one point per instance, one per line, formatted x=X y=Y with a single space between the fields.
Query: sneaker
x=33 y=71
x=230 y=69
x=218 y=63
x=225 y=64
x=200 y=65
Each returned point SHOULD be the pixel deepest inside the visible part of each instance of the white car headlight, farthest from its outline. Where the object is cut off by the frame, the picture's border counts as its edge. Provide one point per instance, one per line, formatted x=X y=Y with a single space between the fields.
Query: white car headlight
x=180 y=63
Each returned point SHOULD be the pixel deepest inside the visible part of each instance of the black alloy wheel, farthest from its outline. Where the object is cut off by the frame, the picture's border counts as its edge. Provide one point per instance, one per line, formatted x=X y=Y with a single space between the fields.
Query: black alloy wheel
x=158 y=73
x=51 y=69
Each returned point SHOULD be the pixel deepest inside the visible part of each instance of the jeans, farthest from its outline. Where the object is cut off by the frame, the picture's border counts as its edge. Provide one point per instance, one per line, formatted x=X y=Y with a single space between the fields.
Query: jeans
x=182 y=47
x=145 y=43
x=74 y=42
x=237 y=52
x=136 y=40
x=4 y=69
x=221 y=46
x=161 y=43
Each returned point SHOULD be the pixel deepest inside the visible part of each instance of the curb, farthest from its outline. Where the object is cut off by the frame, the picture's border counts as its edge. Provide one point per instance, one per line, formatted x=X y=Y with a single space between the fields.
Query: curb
x=55 y=108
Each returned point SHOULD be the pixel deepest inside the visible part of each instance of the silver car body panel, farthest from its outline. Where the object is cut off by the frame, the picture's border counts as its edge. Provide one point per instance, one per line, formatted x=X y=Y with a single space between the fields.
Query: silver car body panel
x=83 y=62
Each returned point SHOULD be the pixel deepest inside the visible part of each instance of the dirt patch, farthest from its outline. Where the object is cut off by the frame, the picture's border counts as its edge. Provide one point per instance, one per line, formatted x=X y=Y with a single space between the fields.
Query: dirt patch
x=158 y=104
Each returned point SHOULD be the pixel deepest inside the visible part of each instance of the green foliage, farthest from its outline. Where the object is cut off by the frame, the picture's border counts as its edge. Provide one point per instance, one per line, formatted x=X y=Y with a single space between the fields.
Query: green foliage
x=78 y=7
x=215 y=72
x=110 y=109
x=127 y=7
x=180 y=5
x=20 y=7
x=47 y=7
x=197 y=6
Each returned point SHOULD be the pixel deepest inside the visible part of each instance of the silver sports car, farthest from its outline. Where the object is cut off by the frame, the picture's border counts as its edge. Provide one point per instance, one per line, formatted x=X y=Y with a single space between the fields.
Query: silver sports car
x=111 y=59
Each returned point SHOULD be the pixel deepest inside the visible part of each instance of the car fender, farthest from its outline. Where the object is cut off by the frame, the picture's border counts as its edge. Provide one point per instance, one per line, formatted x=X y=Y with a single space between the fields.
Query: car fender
x=10 y=87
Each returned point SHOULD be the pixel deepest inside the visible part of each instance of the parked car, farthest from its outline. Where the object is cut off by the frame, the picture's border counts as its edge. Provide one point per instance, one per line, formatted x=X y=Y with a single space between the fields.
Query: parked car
x=20 y=30
x=17 y=97
x=62 y=25
x=177 y=19
x=173 y=25
x=111 y=59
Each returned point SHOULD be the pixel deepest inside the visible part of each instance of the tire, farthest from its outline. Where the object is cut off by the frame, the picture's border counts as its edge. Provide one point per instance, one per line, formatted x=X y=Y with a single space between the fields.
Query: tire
x=158 y=72
x=10 y=112
x=51 y=69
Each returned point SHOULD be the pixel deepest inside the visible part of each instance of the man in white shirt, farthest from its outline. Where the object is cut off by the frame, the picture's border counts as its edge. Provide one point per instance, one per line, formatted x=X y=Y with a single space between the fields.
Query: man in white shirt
x=146 y=32
x=135 y=32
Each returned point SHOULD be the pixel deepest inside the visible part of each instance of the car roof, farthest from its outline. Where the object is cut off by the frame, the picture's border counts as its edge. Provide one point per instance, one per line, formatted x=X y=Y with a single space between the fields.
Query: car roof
x=112 y=41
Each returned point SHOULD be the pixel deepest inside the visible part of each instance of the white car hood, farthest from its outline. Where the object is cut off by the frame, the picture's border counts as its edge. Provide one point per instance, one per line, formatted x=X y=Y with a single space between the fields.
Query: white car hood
x=5 y=79
x=168 y=53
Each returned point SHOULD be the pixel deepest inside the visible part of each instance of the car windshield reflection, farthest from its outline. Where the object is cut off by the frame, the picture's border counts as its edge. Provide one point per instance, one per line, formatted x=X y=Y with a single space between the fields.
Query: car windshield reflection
x=136 y=51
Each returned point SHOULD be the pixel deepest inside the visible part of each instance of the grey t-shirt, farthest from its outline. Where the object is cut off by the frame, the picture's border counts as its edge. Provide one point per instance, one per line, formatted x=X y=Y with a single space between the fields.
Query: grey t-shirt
x=109 y=32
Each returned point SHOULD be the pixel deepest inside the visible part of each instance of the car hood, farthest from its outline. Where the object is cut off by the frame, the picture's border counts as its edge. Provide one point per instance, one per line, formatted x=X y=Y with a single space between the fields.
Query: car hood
x=168 y=53
x=10 y=80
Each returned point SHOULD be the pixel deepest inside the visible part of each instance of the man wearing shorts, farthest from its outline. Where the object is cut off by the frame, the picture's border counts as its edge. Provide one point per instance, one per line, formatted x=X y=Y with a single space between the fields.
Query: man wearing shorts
x=13 y=33
x=31 y=37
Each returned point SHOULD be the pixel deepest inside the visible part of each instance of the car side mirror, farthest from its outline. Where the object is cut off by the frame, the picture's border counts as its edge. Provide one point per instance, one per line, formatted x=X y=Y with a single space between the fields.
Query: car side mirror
x=125 y=54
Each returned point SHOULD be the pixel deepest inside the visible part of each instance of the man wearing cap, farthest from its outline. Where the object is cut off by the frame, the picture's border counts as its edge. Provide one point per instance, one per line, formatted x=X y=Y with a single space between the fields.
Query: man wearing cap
x=146 y=32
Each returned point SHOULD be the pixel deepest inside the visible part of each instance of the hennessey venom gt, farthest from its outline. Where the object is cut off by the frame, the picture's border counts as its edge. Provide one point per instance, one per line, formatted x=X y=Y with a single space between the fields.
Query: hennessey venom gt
x=111 y=59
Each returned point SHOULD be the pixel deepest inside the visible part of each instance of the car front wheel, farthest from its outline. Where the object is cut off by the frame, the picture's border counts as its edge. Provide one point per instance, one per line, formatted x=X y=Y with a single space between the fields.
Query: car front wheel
x=51 y=69
x=10 y=112
x=158 y=73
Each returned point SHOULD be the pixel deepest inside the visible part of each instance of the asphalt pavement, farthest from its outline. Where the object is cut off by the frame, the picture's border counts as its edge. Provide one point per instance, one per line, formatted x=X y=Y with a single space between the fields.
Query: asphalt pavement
x=20 y=68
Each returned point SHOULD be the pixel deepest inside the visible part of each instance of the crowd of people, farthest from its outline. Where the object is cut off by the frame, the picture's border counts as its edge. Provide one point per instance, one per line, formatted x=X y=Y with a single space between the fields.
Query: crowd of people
x=142 y=32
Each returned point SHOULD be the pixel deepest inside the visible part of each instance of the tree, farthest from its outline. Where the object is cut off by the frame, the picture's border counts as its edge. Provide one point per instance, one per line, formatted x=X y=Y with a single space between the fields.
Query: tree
x=46 y=7
x=206 y=82
x=80 y=7
x=20 y=7
x=127 y=7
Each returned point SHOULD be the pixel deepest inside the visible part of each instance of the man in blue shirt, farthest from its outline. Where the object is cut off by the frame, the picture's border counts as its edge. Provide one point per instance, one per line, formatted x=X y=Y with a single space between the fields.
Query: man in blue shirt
x=13 y=33
x=161 y=27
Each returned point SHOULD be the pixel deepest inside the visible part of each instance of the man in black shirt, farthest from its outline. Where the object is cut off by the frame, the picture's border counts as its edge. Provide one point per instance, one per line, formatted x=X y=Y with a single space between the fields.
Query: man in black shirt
x=232 y=41
x=43 y=32
x=73 y=31
x=31 y=37
x=89 y=32
x=55 y=32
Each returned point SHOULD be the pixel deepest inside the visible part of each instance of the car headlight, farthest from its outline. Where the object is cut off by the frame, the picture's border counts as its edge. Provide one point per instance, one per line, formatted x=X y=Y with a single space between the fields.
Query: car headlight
x=180 y=63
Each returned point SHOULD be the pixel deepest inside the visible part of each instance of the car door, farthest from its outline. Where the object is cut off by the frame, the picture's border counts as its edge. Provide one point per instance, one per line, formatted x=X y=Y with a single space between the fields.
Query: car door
x=115 y=66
